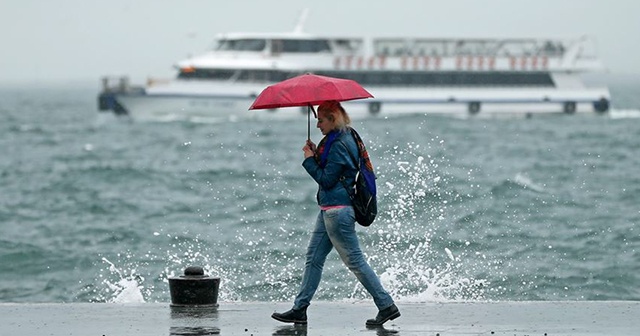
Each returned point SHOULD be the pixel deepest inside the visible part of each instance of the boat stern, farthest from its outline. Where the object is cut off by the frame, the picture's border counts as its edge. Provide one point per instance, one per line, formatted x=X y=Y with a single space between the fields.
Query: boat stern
x=112 y=89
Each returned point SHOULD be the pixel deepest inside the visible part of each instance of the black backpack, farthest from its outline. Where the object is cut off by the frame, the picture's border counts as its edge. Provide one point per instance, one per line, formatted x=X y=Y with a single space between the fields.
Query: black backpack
x=363 y=192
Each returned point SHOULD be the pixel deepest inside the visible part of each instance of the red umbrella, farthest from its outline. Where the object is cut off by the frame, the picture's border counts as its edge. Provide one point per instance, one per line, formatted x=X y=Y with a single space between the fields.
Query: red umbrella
x=308 y=90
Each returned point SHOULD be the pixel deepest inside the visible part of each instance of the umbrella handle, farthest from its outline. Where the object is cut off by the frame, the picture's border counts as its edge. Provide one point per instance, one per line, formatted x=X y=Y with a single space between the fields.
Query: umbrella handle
x=315 y=115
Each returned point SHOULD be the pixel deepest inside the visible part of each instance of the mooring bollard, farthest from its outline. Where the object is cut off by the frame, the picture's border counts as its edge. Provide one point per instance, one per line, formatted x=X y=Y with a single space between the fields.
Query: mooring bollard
x=194 y=288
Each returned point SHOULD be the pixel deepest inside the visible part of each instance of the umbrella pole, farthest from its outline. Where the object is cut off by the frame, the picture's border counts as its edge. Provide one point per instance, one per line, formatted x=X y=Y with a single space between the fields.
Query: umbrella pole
x=309 y=122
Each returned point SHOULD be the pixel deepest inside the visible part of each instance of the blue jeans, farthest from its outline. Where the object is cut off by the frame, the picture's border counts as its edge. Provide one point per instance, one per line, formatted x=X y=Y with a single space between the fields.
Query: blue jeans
x=336 y=228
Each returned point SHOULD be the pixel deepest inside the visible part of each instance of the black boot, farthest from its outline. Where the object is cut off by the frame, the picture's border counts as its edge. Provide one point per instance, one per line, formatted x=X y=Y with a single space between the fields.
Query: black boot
x=384 y=315
x=298 y=316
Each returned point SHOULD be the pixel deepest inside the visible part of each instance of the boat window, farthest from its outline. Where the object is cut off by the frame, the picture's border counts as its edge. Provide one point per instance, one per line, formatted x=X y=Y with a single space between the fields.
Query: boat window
x=252 y=76
x=218 y=74
x=299 y=46
x=242 y=45
x=446 y=79
x=242 y=75
x=262 y=76
x=386 y=78
x=351 y=45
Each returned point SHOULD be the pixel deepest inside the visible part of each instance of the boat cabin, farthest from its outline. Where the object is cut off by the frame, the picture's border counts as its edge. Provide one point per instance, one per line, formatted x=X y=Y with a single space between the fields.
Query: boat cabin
x=268 y=58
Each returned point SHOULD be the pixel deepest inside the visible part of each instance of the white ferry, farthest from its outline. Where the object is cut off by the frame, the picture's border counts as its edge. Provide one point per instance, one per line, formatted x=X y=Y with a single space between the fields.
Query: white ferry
x=405 y=74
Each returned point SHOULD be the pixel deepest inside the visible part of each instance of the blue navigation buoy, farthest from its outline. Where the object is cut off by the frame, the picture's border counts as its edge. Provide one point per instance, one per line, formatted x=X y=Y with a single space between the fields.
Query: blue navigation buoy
x=194 y=288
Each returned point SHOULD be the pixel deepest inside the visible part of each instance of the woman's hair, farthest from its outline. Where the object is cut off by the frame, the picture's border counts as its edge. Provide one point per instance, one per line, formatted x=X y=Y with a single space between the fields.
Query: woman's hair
x=335 y=113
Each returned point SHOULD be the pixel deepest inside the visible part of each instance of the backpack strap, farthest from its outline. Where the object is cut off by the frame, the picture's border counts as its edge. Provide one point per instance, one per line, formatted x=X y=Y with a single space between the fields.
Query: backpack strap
x=357 y=163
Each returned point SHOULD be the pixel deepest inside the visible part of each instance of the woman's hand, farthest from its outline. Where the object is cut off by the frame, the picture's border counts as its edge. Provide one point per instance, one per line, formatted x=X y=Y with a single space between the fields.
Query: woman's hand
x=309 y=149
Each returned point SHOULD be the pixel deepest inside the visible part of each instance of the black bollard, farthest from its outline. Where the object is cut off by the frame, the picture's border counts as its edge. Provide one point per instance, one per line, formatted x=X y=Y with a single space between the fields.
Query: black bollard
x=194 y=288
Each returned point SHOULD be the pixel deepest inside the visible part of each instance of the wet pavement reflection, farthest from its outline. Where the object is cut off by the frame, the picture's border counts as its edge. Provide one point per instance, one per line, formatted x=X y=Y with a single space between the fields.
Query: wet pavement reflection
x=194 y=321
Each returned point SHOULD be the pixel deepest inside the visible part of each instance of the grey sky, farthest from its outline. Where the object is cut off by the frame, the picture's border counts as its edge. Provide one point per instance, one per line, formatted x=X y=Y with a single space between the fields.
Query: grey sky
x=77 y=40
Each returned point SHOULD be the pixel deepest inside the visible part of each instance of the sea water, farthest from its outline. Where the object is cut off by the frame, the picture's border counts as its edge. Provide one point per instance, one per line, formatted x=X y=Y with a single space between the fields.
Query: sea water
x=95 y=208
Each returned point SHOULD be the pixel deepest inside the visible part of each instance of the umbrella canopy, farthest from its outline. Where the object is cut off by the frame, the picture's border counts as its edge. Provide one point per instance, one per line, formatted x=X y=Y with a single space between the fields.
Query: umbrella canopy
x=308 y=90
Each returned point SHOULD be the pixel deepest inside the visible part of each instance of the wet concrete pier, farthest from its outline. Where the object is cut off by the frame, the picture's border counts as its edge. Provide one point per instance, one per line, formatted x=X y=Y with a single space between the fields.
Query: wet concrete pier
x=617 y=318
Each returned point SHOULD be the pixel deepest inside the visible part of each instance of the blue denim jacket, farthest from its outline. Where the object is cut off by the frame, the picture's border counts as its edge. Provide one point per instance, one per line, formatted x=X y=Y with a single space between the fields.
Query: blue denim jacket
x=331 y=190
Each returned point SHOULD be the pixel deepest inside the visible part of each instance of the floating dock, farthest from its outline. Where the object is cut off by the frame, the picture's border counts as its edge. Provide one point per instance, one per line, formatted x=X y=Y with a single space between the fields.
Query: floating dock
x=611 y=318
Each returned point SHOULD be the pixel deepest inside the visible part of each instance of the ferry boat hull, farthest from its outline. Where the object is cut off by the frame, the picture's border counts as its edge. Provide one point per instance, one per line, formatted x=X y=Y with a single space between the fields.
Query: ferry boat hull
x=226 y=103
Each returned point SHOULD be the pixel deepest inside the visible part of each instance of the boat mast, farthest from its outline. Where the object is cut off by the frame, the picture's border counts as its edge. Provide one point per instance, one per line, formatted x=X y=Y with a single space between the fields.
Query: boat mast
x=301 y=21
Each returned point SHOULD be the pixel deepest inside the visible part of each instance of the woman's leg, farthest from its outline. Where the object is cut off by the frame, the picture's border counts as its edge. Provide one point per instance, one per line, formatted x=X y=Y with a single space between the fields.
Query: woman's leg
x=340 y=226
x=317 y=251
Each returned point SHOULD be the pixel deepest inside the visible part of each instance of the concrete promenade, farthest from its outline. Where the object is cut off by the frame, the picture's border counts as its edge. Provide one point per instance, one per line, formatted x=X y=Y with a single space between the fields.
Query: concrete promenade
x=617 y=318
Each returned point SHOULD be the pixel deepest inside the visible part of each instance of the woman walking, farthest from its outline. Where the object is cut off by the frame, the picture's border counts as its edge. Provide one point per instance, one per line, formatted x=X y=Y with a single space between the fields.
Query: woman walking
x=331 y=165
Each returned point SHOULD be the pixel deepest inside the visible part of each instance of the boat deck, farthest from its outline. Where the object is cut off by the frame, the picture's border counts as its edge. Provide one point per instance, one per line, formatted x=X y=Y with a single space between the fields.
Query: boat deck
x=616 y=318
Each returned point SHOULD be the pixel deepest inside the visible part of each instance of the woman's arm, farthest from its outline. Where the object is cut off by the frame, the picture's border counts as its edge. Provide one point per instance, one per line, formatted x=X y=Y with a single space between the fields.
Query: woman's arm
x=337 y=163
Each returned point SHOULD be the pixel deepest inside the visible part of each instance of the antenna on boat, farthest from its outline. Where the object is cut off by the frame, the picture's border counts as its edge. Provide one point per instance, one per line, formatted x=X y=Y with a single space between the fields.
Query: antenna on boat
x=301 y=21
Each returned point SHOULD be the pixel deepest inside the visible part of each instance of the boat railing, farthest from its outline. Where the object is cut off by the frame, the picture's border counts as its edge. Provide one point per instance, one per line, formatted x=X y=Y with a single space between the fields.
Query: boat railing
x=401 y=47
x=117 y=84
x=112 y=86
